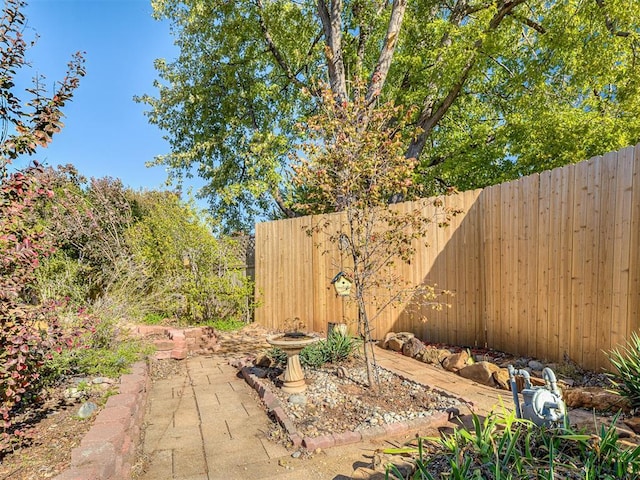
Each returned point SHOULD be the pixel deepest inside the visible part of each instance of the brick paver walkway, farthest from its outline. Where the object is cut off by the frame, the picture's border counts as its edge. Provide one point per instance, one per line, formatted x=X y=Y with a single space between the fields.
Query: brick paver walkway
x=208 y=424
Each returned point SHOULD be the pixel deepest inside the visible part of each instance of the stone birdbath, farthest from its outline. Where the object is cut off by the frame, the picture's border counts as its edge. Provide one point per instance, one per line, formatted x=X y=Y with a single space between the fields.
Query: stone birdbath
x=292 y=343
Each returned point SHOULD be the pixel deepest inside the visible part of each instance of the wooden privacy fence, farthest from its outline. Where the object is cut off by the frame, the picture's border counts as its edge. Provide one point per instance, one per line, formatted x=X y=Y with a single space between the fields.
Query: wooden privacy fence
x=545 y=266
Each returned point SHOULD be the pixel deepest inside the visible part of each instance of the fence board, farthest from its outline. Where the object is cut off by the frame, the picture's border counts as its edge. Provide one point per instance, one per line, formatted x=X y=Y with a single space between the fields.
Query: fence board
x=633 y=304
x=546 y=266
x=591 y=264
x=621 y=255
x=540 y=320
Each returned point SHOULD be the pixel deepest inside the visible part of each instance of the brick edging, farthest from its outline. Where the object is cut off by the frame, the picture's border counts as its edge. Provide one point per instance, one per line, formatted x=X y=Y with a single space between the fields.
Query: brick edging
x=108 y=450
x=273 y=405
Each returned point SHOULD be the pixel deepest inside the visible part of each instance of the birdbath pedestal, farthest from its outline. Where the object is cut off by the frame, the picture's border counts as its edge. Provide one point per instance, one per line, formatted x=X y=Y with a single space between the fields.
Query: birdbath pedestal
x=292 y=344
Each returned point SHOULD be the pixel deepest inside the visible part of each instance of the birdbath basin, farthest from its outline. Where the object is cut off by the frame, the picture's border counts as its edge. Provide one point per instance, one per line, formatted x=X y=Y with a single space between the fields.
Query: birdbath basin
x=292 y=344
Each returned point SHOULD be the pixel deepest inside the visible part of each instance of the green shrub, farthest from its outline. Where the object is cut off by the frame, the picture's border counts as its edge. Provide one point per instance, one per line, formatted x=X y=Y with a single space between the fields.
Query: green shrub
x=192 y=274
x=626 y=361
x=154 y=318
x=104 y=351
x=278 y=356
x=60 y=276
x=227 y=324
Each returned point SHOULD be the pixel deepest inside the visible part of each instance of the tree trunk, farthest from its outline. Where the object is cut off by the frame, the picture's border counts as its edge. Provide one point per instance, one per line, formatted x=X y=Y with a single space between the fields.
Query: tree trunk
x=332 y=23
x=369 y=357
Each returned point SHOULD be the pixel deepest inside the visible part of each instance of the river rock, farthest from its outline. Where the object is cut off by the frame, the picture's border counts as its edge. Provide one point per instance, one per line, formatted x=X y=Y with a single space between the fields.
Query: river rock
x=481 y=372
x=455 y=362
x=412 y=347
x=87 y=409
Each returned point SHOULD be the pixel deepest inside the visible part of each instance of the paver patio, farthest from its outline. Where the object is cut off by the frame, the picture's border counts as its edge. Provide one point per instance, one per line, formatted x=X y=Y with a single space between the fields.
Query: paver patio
x=208 y=424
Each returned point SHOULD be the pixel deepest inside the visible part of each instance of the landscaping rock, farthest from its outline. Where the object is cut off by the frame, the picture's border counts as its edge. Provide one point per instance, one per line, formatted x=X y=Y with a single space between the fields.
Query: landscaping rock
x=455 y=362
x=481 y=372
x=433 y=355
x=365 y=473
x=87 y=409
x=501 y=379
x=297 y=399
x=263 y=360
x=535 y=365
x=396 y=342
x=385 y=342
x=412 y=347
x=633 y=423
x=595 y=398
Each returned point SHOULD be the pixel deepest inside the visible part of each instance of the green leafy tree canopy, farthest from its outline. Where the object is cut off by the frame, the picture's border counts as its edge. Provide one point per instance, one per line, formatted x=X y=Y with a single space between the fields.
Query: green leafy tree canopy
x=500 y=88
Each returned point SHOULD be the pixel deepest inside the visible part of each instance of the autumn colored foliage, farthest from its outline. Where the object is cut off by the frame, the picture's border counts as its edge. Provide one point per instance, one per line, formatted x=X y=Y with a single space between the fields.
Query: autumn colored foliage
x=28 y=332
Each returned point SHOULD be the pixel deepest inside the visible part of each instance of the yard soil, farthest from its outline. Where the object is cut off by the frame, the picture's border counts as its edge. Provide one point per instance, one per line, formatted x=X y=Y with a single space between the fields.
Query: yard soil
x=47 y=453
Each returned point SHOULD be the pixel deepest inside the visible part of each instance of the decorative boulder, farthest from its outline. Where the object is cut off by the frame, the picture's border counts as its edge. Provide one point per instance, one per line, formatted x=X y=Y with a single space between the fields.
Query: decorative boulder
x=433 y=355
x=501 y=379
x=395 y=344
x=481 y=372
x=594 y=398
x=398 y=340
x=263 y=360
x=385 y=342
x=455 y=362
x=412 y=347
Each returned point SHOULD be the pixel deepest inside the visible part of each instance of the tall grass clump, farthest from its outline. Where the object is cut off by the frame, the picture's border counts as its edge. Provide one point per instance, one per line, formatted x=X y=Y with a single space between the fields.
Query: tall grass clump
x=503 y=447
x=626 y=360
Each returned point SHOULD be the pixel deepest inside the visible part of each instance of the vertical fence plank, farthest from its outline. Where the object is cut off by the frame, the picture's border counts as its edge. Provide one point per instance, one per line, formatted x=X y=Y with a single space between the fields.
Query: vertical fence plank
x=633 y=303
x=592 y=238
x=545 y=343
x=495 y=267
x=578 y=251
x=603 y=321
x=621 y=250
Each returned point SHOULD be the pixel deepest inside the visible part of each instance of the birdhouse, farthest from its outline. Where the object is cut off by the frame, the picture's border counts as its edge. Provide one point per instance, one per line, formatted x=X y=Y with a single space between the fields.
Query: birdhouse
x=342 y=283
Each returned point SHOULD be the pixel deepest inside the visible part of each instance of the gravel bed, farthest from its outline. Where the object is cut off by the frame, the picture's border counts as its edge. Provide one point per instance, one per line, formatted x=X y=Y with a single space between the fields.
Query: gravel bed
x=337 y=400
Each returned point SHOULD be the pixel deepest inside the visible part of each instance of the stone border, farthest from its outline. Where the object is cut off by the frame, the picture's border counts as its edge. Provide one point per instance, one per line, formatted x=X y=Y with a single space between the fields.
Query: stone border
x=336 y=439
x=108 y=450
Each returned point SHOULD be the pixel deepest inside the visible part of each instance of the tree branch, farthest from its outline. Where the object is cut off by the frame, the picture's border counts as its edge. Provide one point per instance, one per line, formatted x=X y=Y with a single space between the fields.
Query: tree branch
x=332 y=23
x=381 y=69
x=610 y=24
x=277 y=55
x=431 y=114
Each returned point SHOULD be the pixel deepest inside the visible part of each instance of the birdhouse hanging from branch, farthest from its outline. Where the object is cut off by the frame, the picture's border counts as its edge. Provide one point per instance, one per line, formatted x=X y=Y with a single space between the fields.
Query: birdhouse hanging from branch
x=342 y=283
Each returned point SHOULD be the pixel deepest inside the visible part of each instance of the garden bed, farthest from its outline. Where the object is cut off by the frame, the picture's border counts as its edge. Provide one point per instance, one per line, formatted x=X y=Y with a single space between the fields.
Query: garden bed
x=338 y=407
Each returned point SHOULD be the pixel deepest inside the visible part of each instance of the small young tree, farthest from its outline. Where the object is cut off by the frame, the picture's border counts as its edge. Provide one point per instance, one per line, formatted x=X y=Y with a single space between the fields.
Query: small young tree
x=353 y=162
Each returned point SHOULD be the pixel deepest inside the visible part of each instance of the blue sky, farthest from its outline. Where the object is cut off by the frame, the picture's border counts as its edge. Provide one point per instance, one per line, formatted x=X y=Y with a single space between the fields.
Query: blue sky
x=106 y=133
